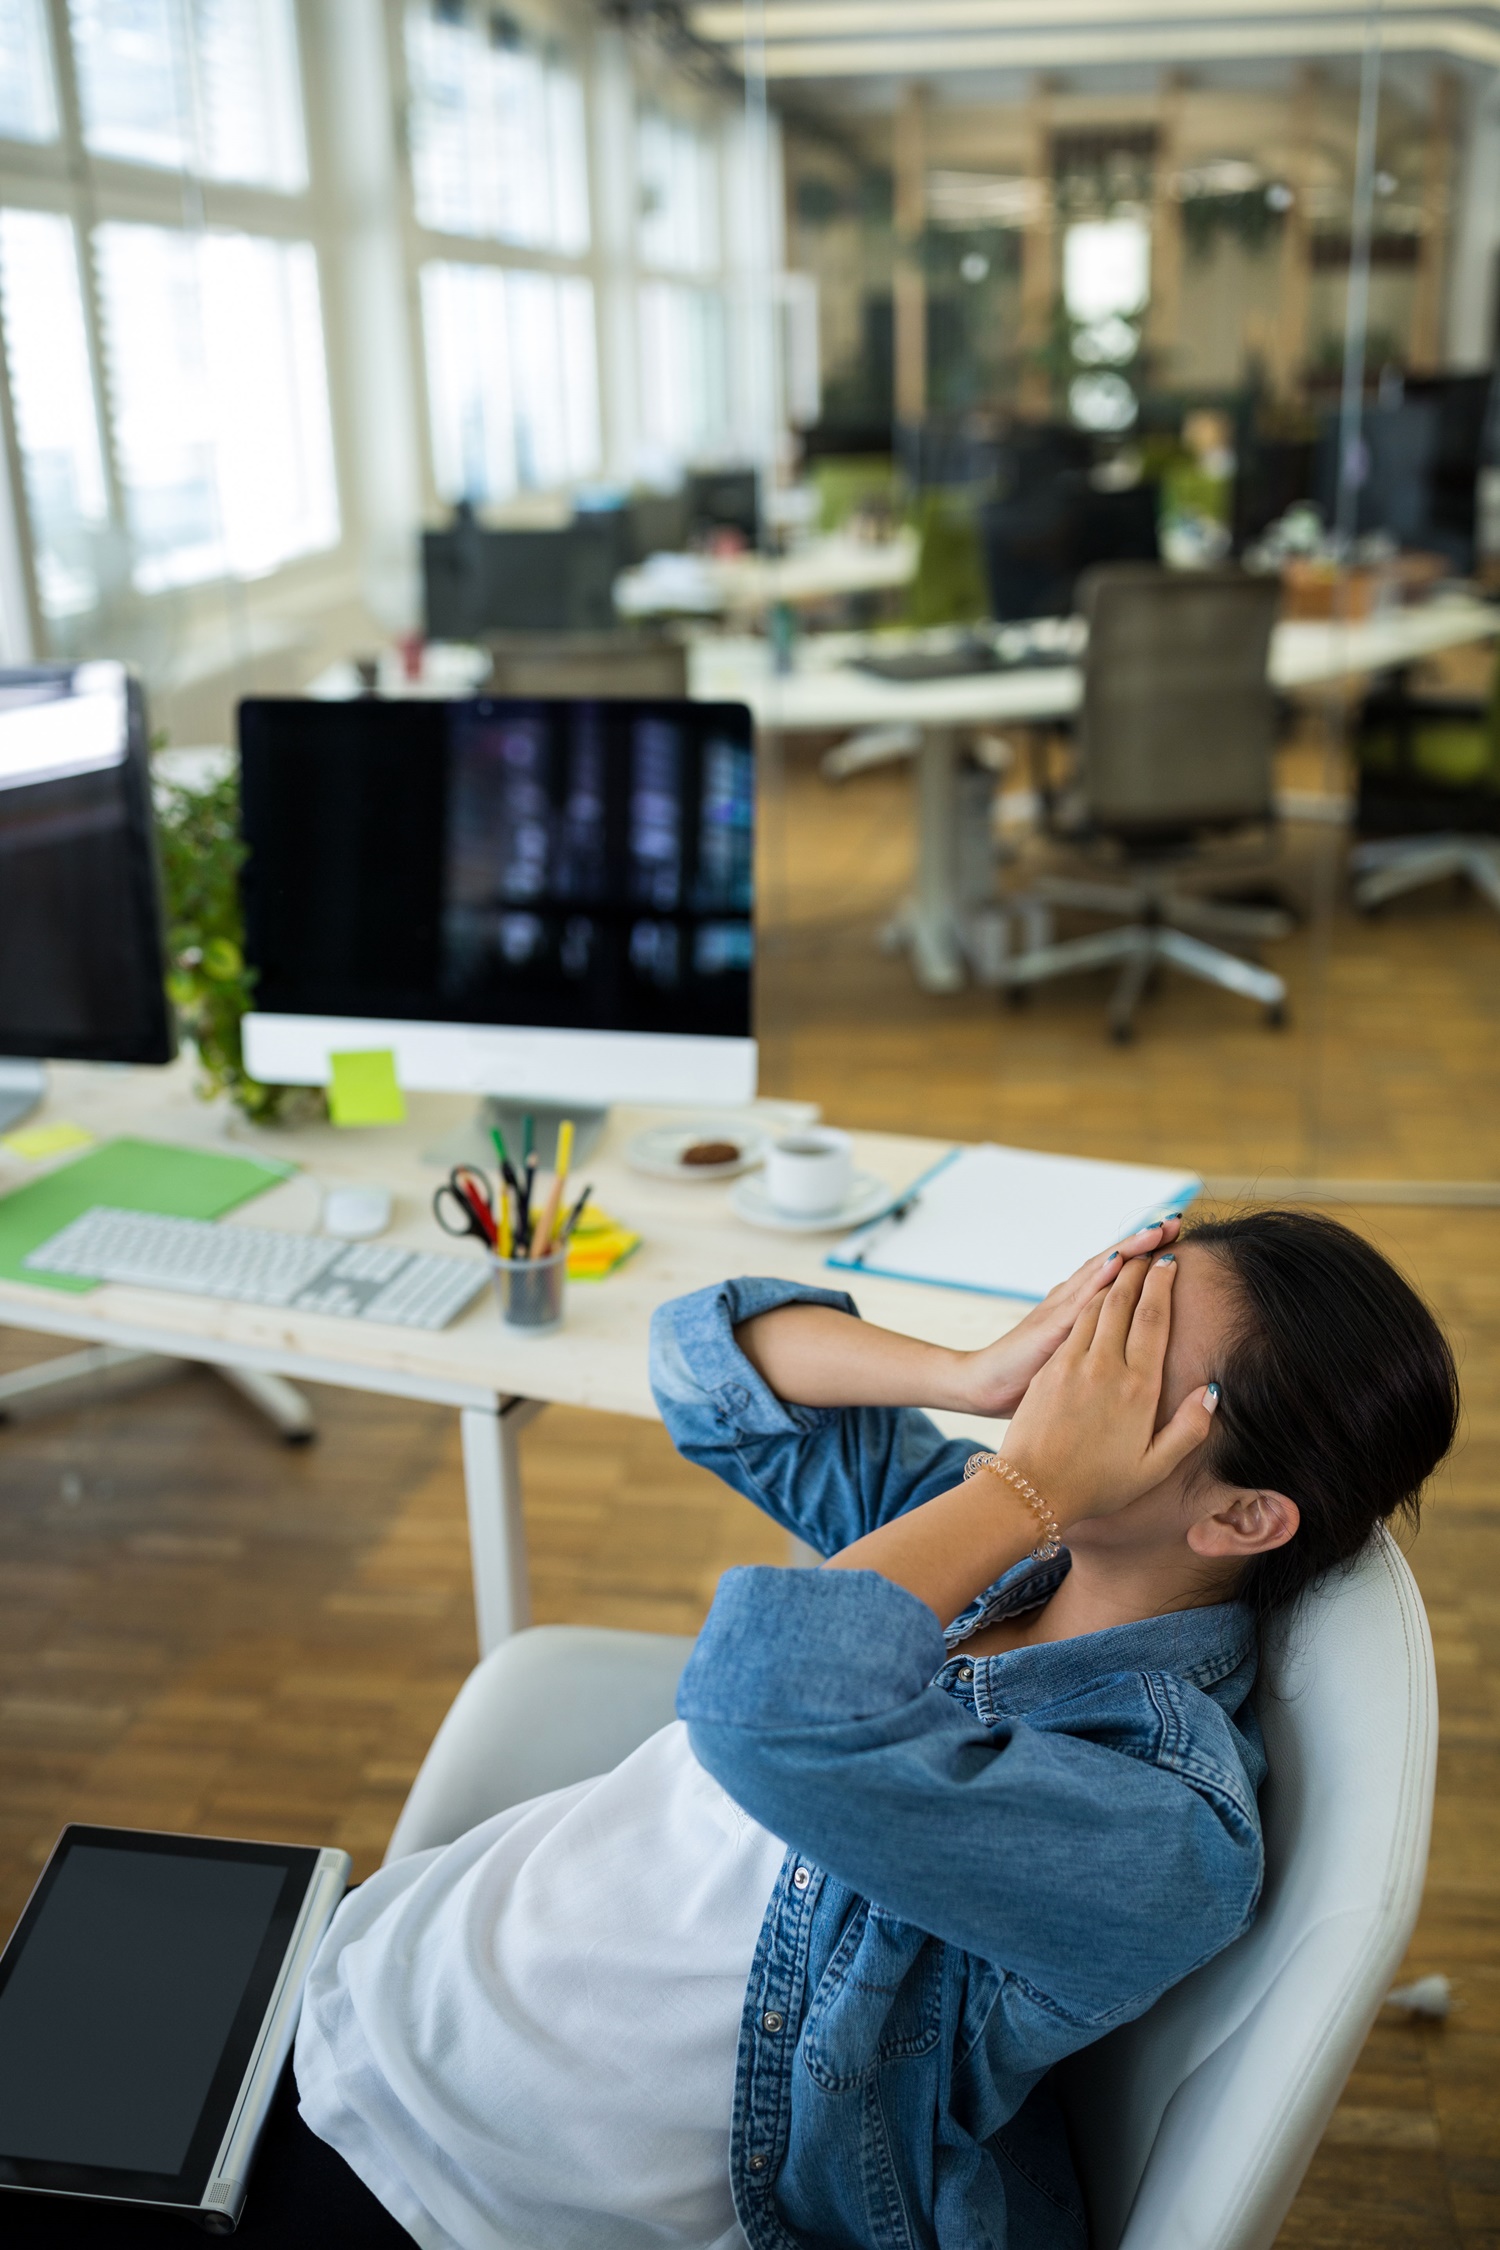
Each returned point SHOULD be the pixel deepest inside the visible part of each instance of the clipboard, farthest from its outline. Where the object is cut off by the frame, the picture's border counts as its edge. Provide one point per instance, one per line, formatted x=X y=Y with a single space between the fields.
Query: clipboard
x=1011 y=1222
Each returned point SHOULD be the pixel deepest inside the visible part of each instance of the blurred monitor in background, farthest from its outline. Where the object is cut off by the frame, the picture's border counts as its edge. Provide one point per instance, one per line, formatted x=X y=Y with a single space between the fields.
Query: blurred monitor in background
x=478 y=581
x=724 y=500
x=82 y=970
x=1424 y=446
x=1037 y=544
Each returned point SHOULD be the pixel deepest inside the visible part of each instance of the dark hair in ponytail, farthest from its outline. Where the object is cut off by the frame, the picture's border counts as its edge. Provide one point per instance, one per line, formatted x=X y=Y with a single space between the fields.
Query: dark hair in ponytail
x=1338 y=1389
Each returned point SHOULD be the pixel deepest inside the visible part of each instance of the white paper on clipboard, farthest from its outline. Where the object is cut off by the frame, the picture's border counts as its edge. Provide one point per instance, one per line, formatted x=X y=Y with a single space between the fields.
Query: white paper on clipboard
x=1011 y=1221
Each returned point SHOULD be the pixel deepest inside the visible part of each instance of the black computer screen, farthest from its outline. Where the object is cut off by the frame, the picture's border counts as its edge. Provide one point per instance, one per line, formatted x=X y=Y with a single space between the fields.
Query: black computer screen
x=583 y=865
x=81 y=966
x=131 y=1998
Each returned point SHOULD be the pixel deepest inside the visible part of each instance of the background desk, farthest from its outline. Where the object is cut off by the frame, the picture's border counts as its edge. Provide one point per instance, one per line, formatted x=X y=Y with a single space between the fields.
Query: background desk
x=497 y=1378
x=825 y=693
x=717 y=585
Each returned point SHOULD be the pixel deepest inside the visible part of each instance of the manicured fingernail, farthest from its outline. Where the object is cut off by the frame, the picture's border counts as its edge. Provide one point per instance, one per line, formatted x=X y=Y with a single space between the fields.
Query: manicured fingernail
x=1211 y=1397
x=1174 y=1214
x=1113 y=1259
x=1166 y=1259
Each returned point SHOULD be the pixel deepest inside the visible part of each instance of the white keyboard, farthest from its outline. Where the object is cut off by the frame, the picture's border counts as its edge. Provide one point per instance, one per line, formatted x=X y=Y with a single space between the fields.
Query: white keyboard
x=258 y=1266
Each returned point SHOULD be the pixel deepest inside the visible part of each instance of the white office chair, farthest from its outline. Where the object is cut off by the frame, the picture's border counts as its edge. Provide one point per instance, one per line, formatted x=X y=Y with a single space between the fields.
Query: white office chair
x=1193 y=2127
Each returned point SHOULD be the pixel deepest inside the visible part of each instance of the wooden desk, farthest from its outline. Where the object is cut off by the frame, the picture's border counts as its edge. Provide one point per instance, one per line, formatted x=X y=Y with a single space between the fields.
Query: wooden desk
x=825 y=693
x=495 y=1377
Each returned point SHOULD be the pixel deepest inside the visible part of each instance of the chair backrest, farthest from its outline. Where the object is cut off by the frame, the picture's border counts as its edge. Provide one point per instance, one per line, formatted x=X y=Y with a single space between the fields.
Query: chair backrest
x=1179 y=717
x=1193 y=2126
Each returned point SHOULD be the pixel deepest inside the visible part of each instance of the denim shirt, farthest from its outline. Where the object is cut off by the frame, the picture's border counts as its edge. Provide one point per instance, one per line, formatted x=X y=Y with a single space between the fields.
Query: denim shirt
x=989 y=1864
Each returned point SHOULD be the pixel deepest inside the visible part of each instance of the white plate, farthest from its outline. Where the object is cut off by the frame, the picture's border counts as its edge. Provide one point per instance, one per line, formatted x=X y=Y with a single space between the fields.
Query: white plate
x=866 y=1200
x=659 y=1150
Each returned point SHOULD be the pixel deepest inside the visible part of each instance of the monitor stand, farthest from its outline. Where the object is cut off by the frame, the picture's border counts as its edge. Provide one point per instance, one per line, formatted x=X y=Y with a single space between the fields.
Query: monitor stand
x=22 y=1085
x=471 y=1142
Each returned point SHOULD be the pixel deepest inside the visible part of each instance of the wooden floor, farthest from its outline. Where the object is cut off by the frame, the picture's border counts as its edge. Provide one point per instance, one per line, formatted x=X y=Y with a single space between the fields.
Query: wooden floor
x=201 y=1630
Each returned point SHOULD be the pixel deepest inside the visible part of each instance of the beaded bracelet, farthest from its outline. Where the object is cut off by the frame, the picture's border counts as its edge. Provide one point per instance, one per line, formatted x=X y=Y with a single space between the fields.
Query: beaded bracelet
x=1052 y=1538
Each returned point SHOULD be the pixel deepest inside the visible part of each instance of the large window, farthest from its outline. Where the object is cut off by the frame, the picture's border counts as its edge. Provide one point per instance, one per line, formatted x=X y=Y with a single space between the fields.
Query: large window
x=499 y=163
x=679 y=195
x=684 y=368
x=211 y=454
x=46 y=350
x=204 y=86
x=222 y=430
x=28 y=103
x=510 y=379
x=498 y=145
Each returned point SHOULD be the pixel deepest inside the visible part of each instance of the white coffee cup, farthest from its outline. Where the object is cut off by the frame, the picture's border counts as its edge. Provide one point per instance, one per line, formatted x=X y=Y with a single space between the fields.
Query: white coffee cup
x=810 y=1173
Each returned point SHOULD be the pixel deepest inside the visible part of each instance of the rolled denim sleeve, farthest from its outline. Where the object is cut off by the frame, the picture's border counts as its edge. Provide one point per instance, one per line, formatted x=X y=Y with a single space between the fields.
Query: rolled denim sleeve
x=830 y=1474
x=1059 y=1847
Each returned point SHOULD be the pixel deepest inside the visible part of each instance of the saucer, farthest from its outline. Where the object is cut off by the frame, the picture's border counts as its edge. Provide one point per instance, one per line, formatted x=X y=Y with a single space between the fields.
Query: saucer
x=659 y=1150
x=867 y=1198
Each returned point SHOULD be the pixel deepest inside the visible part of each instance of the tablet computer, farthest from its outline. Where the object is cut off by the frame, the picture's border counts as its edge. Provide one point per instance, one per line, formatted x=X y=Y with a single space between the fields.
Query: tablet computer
x=148 y=2000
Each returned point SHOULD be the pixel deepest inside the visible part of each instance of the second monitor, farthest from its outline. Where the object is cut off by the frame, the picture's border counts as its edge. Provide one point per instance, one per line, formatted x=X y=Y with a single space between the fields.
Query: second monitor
x=546 y=902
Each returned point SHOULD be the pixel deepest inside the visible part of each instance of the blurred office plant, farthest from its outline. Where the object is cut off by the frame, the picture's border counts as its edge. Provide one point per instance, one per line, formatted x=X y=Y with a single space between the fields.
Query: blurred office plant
x=209 y=982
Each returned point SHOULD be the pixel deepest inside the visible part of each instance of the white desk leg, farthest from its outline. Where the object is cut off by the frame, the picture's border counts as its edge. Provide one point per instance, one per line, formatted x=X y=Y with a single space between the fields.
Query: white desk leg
x=497 y=1529
x=931 y=921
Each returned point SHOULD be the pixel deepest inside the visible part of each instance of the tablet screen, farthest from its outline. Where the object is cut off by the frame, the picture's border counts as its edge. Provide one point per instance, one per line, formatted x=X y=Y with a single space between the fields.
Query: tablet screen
x=130 y=2001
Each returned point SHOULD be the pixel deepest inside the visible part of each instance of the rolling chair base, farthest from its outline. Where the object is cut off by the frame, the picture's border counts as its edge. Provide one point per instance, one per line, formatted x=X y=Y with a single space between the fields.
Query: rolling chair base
x=1157 y=937
x=1390 y=868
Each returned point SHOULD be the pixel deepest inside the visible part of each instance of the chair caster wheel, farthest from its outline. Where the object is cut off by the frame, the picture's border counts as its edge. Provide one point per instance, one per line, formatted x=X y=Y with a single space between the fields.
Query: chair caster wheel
x=1017 y=997
x=1276 y=1016
x=1123 y=1034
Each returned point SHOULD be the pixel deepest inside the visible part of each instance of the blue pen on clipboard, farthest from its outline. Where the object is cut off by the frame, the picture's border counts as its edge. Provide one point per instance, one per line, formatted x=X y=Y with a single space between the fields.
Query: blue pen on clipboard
x=886 y=1226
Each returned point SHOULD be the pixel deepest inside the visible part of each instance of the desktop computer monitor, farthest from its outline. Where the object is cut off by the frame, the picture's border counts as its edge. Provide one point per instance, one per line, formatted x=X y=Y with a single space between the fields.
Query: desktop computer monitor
x=724 y=500
x=476 y=581
x=82 y=968
x=1037 y=546
x=544 y=902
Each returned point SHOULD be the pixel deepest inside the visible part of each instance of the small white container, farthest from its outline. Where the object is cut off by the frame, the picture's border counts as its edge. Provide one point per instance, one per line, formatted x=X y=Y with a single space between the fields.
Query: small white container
x=810 y=1172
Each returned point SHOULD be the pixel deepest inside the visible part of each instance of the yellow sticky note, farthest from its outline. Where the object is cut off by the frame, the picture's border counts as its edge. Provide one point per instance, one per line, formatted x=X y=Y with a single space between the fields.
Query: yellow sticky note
x=36 y=1141
x=362 y=1088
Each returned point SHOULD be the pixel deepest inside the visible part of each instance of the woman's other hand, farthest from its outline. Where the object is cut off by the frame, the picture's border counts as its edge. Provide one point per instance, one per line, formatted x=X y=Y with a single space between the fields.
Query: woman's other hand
x=995 y=1379
x=1086 y=1432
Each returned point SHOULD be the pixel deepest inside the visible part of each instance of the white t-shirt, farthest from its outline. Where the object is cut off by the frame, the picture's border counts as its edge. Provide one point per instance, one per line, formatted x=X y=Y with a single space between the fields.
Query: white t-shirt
x=528 y=2038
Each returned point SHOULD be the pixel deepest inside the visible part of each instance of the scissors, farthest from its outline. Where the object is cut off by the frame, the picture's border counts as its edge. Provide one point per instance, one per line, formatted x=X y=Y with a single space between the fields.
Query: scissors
x=468 y=1192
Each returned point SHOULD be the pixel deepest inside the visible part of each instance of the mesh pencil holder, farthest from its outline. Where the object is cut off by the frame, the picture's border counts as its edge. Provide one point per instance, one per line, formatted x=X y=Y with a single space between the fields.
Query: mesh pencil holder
x=530 y=1290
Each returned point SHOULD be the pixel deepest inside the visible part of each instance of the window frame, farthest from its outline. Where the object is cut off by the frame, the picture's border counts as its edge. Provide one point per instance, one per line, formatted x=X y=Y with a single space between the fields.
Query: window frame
x=62 y=176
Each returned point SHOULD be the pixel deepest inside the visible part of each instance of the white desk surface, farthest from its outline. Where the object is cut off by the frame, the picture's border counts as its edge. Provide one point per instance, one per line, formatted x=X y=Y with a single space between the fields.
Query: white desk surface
x=824 y=691
x=707 y=585
x=598 y=1357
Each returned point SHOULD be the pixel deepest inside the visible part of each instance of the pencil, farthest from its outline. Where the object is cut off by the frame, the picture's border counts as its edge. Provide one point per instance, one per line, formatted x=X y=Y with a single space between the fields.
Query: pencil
x=548 y=1222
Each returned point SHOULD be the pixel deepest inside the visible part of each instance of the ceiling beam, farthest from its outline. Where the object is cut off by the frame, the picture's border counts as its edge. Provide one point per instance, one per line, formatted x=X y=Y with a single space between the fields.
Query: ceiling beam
x=782 y=20
x=1189 y=40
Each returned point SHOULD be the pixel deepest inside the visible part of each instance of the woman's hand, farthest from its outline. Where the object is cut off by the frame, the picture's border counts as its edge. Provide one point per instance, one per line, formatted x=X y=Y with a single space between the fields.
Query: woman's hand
x=995 y=1379
x=1085 y=1433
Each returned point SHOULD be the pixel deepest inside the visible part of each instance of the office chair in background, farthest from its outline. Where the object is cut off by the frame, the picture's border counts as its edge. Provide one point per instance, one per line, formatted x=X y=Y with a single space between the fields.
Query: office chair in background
x=1193 y=2126
x=1175 y=790
x=1429 y=795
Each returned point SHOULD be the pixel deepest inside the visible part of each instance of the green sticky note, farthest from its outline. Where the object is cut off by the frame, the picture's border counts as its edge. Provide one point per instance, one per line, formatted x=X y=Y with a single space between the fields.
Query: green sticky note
x=362 y=1088
x=124 y=1175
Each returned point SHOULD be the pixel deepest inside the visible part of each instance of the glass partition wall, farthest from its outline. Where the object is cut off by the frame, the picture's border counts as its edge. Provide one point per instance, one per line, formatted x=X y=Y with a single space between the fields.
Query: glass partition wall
x=1216 y=299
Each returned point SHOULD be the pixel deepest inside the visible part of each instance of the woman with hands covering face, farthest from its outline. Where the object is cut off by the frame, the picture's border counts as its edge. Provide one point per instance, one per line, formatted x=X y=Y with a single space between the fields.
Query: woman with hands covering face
x=931 y=1817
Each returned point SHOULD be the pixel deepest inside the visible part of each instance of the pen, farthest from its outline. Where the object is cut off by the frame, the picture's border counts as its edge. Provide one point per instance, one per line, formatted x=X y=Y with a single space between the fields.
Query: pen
x=883 y=1227
x=573 y=1217
x=523 y=1205
x=507 y=1169
x=528 y=1137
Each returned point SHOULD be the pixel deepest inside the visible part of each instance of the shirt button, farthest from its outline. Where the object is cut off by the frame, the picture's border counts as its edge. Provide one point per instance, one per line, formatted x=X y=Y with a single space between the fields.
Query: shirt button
x=758 y=2163
x=800 y=1879
x=771 y=2021
x=966 y=1671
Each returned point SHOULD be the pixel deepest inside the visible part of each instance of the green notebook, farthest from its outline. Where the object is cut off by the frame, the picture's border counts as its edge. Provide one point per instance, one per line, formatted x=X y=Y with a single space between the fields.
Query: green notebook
x=180 y=1183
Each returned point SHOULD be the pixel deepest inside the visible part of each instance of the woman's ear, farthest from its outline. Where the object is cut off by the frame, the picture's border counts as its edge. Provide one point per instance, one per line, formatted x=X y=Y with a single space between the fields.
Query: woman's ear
x=1248 y=1523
